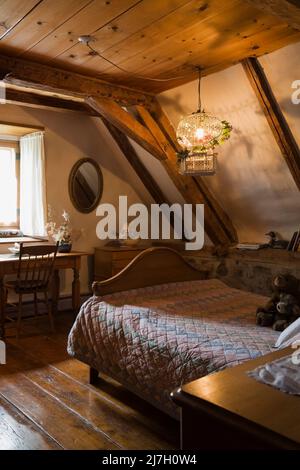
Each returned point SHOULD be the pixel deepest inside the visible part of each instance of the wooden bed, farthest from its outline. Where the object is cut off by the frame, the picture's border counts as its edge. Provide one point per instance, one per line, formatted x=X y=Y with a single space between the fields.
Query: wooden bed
x=161 y=323
x=157 y=265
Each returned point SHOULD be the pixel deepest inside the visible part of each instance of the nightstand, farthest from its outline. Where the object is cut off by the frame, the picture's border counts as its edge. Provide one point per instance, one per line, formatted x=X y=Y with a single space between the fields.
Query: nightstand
x=230 y=410
x=109 y=260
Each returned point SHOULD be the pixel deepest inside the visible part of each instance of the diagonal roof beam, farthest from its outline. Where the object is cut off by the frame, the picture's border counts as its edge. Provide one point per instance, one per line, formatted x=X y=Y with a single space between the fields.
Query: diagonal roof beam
x=277 y=122
x=126 y=123
x=132 y=157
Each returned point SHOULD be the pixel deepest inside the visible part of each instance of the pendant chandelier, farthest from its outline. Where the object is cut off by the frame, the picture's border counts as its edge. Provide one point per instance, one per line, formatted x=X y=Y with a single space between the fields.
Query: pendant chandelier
x=198 y=134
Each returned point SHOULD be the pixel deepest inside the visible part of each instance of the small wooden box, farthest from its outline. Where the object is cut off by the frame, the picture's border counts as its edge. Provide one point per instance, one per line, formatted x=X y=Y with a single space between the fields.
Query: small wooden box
x=110 y=260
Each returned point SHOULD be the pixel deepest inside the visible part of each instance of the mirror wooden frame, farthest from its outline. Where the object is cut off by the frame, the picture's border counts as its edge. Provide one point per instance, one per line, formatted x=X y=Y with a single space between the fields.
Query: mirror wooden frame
x=72 y=181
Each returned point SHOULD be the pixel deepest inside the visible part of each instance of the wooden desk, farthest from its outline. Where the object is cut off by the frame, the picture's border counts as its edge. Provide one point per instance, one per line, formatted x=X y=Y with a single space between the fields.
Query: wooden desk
x=9 y=265
x=230 y=410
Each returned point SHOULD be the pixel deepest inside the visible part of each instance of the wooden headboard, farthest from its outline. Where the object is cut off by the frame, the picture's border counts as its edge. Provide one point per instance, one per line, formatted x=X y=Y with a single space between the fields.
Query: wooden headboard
x=152 y=266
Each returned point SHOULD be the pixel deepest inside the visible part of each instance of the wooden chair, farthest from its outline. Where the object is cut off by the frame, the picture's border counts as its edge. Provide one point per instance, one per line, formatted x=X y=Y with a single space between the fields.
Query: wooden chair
x=34 y=274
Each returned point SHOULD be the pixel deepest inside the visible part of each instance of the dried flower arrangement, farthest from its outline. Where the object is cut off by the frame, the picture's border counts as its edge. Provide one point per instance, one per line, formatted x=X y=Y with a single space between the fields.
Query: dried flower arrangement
x=60 y=233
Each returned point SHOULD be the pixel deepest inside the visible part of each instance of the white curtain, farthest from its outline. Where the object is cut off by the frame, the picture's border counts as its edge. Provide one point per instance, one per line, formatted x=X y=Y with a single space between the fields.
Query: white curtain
x=32 y=184
x=8 y=186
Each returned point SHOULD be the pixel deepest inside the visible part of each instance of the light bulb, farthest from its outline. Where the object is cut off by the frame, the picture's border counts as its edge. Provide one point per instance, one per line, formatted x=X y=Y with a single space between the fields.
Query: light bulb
x=199 y=134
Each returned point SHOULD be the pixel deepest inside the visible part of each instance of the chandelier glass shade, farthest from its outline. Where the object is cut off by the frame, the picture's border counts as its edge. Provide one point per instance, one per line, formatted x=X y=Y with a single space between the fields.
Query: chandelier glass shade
x=199 y=131
x=198 y=134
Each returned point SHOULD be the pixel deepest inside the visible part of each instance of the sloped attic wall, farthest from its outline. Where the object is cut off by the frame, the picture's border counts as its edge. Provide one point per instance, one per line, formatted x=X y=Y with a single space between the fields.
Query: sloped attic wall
x=253 y=182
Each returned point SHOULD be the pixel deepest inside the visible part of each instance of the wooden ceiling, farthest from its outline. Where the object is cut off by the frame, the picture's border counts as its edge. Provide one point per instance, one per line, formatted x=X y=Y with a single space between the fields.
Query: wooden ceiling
x=159 y=39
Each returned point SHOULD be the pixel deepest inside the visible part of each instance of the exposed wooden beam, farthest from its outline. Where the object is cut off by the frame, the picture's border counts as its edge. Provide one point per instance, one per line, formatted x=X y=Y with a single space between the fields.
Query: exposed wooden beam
x=286 y=10
x=33 y=100
x=217 y=224
x=132 y=157
x=126 y=123
x=274 y=115
x=30 y=74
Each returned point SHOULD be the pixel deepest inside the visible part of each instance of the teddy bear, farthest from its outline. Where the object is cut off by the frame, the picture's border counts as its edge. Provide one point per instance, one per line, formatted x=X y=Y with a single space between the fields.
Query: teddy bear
x=284 y=306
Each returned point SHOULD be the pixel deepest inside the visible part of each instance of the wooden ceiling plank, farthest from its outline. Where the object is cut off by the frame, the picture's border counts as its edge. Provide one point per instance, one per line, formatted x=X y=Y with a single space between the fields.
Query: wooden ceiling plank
x=194 y=191
x=123 y=120
x=209 y=45
x=92 y=17
x=162 y=30
x=152 y=38
x=33 y=100
x=132 y=157
x=226 y=56
x=277 y=122
x=41 y=21
x=12 y=12
x=212 y=41
x=42 y=77
x=286 y=10
x=188 y=39
x=199 y=27
x=118 y=30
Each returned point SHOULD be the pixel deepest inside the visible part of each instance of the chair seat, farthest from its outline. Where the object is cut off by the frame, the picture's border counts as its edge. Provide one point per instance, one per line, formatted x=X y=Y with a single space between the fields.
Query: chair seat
x=25 y=287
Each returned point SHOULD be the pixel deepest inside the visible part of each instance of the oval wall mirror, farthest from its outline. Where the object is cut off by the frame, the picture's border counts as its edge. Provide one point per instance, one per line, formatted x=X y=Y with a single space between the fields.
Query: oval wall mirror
x=85 y=185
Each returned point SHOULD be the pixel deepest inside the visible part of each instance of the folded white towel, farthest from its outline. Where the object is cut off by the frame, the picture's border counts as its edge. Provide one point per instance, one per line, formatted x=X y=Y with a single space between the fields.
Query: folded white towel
x=283 y=374
x=289 y=335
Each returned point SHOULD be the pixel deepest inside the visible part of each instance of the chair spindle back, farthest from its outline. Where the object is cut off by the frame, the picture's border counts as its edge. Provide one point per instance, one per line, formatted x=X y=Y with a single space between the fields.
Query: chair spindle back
x=36 y=263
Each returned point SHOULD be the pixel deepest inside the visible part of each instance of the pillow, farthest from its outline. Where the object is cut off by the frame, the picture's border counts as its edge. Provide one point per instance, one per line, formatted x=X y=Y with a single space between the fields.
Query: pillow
x=288 y=336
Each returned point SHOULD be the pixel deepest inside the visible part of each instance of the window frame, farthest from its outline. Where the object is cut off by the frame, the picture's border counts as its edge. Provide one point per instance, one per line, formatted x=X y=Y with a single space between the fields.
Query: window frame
x=13 y=144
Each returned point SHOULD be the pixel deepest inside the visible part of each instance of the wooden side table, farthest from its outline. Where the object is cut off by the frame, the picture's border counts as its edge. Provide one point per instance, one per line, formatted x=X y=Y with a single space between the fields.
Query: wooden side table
x=230 y=410
x=109 y=260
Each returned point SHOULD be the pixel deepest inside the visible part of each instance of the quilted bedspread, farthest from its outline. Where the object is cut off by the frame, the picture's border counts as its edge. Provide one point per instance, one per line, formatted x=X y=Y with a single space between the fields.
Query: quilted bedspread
x=156 y=338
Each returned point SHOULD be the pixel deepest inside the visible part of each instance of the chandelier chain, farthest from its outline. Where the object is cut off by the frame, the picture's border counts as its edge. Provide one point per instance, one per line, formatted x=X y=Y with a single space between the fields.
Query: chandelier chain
x=199 y=90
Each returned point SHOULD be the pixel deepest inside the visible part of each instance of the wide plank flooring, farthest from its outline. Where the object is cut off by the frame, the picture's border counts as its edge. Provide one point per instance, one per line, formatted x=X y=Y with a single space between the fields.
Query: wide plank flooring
x=47 y=403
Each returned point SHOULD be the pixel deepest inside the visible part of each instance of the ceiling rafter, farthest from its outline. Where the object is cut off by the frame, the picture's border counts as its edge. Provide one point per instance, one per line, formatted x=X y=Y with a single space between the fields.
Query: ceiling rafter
x=28 y=74
x=277 y=122
x=126 y=123
x=132 y=157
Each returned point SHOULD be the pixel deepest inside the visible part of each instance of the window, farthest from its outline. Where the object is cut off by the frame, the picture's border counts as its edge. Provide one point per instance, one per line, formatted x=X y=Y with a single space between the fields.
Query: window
x=8 y=187
x=22 y=180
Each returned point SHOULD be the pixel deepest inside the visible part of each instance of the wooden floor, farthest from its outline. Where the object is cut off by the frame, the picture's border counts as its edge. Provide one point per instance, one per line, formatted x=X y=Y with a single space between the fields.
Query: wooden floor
x=47 y=403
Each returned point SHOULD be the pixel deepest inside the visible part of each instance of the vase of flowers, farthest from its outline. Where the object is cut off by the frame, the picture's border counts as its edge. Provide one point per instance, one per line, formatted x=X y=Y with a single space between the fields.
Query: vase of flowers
x=61 y=233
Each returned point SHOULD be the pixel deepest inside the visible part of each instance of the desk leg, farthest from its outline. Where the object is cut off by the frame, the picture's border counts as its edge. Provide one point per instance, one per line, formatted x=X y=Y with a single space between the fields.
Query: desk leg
x=55 y=291
x=2 y=311
x=76 y=291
